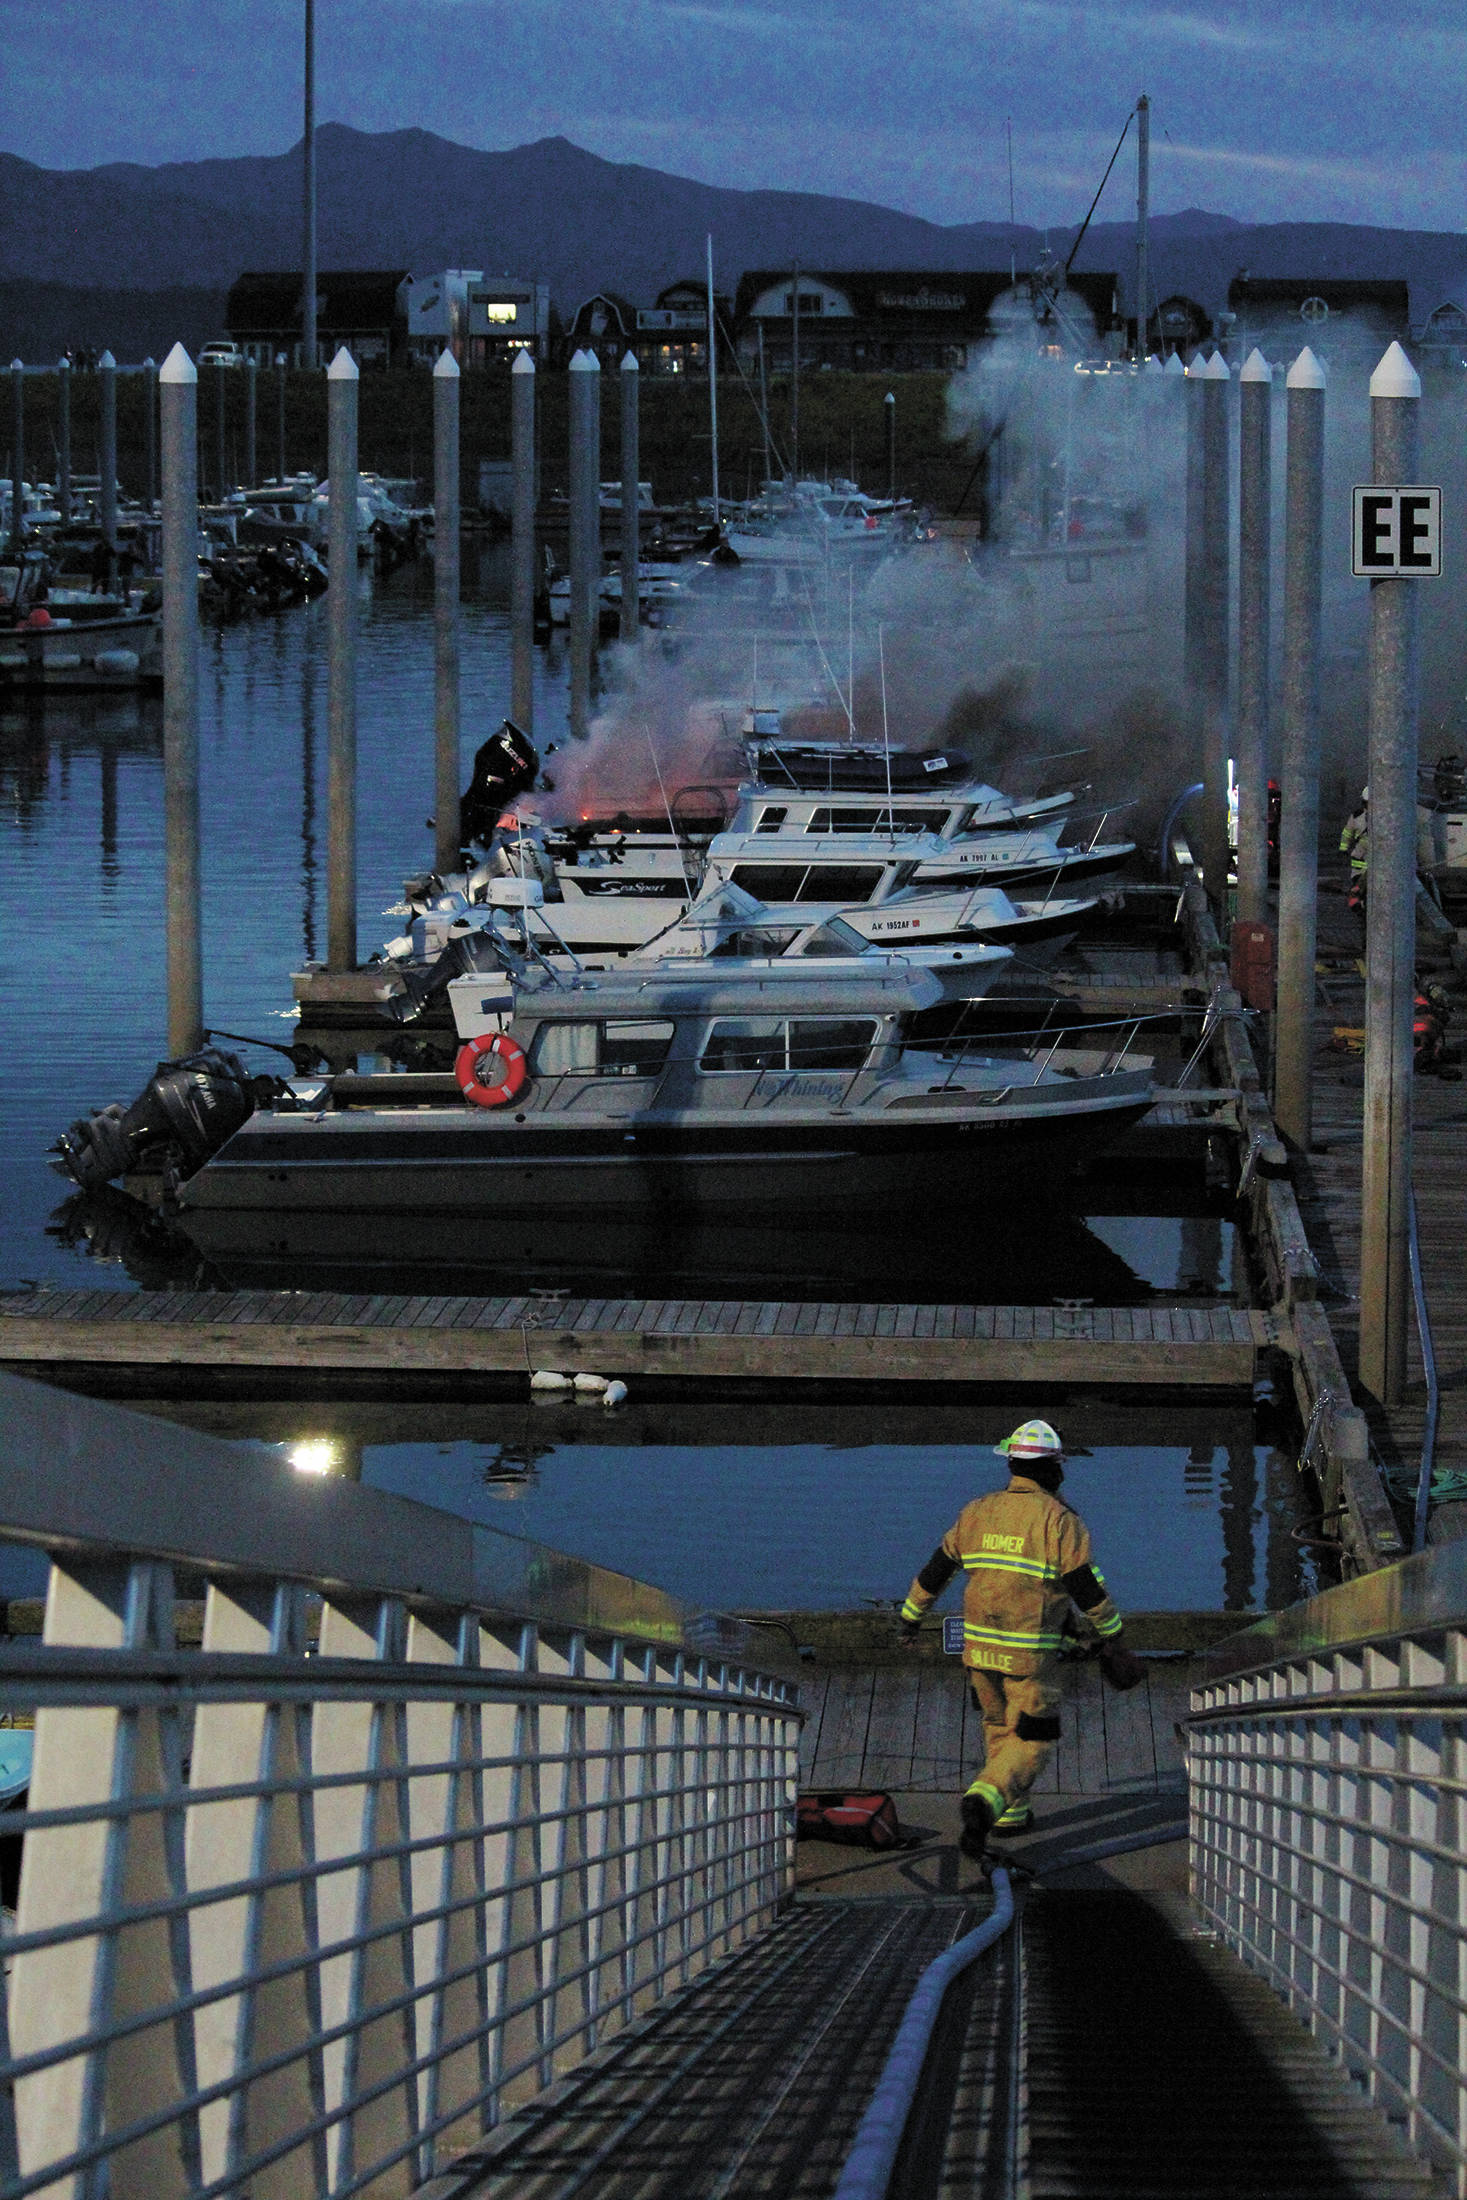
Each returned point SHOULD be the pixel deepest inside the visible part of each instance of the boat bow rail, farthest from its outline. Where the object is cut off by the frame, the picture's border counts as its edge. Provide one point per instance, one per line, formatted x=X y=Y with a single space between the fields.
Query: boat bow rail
x=428 y=1815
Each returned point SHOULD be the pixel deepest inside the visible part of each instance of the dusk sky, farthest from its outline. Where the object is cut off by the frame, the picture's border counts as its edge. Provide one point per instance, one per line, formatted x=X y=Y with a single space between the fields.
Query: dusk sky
x=1266 y=109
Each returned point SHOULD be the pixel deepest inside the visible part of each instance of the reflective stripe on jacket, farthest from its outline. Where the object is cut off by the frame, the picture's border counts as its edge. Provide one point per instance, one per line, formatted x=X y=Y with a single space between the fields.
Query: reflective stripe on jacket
x=1027 y=1559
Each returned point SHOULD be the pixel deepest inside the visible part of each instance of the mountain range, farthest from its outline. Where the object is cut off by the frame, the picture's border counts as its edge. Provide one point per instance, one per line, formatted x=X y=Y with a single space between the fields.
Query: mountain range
x=551 y=210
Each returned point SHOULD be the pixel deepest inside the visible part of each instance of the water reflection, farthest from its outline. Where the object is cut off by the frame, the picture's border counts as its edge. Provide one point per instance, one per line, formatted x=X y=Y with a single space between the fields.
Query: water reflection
x=1068 y=1257
x=767 y=1500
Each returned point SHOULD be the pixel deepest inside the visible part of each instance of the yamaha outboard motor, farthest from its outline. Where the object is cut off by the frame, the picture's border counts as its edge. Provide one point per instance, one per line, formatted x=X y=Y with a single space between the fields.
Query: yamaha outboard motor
x=504 y=767
x=183 y=1115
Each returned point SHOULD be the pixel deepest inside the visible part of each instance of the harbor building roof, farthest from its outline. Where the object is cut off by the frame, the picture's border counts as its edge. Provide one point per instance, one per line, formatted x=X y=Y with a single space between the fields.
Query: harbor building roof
x=890 y=320
x=363 y=308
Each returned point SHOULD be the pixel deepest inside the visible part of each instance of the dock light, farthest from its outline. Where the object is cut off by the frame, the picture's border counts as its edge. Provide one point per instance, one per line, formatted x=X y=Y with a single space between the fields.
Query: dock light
x=314 y=1455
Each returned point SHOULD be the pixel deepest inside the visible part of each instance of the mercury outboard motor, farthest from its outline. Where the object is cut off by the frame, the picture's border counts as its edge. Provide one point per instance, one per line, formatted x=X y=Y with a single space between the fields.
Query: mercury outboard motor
x=184 y=1113
x=504 y=767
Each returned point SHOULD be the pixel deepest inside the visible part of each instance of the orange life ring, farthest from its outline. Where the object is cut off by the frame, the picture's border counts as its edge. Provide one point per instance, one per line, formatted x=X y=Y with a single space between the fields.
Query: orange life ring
x=474 y=1060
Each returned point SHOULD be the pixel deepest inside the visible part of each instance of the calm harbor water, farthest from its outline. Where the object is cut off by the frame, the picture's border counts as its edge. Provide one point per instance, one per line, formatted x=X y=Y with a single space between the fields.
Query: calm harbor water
x=770 y=1506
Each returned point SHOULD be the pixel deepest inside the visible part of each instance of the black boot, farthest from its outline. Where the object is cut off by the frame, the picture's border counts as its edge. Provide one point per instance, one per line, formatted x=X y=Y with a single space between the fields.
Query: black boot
x=977 y=1825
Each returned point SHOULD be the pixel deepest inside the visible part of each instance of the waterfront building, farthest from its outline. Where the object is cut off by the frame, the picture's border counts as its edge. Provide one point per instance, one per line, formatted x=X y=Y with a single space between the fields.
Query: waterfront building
x=902 y=321
x=484 y=320
x=362 y=308
x=668 y=337
x=1341 y=318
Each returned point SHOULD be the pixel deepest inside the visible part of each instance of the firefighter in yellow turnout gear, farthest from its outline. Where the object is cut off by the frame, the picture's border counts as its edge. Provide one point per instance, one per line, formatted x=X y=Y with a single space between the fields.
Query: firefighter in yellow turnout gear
x=1027 y=1560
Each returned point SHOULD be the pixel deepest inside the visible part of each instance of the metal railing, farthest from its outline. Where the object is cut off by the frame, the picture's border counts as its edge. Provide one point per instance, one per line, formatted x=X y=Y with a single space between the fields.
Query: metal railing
x=430 y=1814
x=1327 y=1765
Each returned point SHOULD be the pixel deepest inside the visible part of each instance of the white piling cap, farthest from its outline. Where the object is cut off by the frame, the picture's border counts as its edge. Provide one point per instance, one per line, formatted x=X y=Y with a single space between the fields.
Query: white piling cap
x=585 y=362
x=446 y=365
x=1395 y=376
x=1306 y=373
x=523 y=363
x=1217 y=369
x=106 y=363
x=17 y=366
x=890 y=398
x=63 y=365
x=1173 y=364
x=343 y=367
x=150 y=361
x=630 y=363
x=1256 y=368
x=178 y=367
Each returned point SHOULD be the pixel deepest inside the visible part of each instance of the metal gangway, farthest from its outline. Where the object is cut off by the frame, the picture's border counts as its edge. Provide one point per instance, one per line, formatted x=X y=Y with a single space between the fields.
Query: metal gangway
x=370 y=1851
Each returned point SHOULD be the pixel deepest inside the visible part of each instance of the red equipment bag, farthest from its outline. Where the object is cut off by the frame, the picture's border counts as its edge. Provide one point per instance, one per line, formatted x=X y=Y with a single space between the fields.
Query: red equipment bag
x=860 y=1821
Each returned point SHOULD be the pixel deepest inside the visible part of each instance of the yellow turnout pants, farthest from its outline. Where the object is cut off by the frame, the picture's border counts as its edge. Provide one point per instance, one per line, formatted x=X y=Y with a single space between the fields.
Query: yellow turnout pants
x=1020 y=1728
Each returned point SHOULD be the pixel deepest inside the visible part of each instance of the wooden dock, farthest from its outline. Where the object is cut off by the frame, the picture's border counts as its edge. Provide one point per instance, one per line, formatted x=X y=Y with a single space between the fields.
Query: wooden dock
x=740 y=1339
x=1109 y=1808
x=1329 y=1198
x=913 y=1728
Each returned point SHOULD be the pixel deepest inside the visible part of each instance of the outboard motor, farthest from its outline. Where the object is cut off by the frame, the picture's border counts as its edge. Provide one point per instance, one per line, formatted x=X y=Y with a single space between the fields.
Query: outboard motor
x=185 y=1112
x=504 y=767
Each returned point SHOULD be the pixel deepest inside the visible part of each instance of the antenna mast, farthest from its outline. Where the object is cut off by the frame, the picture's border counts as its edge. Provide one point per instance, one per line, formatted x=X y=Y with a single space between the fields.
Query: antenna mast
x=1143 y=215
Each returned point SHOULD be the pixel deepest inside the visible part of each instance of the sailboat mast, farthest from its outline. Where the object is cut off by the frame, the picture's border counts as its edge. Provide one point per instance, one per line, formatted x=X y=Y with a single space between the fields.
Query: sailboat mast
x=1143 y=215
x=795 y=373
x=713 y=384
x=308 y=207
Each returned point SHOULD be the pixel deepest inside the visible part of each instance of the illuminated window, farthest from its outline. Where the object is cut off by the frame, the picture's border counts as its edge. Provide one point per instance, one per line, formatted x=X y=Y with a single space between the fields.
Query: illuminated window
x=500 y=310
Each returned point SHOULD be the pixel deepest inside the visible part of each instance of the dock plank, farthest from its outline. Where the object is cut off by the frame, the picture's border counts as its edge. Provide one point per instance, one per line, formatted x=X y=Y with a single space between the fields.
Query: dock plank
x=891 y=1734
x=1088 y=1689
x=770 y=1340
x=1130 y=1750
x=937 y=1749
x=814 y=1689
x=842 y=1749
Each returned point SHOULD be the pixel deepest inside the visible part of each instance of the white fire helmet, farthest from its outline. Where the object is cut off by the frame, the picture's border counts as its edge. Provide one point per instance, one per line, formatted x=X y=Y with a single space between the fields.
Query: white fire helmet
x=1035 y=1440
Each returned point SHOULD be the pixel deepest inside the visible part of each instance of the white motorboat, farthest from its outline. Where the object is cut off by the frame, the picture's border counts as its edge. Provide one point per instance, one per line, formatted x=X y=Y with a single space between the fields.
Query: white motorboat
x=101 y=643
x=812 y=866
x=661 y=583
x=812 y=520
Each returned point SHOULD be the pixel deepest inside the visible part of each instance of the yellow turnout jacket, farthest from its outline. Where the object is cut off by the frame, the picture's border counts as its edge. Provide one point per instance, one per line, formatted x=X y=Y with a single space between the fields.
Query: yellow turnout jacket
x=1027 y=1559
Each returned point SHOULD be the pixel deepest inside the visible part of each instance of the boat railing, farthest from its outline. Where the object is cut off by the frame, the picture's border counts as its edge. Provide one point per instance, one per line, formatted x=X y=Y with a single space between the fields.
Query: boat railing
x=1002 y=1044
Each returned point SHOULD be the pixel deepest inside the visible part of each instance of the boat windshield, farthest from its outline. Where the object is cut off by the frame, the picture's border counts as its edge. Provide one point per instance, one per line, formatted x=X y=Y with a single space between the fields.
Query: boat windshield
x=835 y=937
x=757 y=941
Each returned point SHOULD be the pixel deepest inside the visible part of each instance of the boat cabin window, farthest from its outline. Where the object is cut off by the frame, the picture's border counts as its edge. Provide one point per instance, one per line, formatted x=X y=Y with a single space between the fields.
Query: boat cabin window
x=757 y=940
x=834 y=937
x=744 y=1042
x=840 y=882
x=830 y=1042
x=635 y=1050
x=781 y=1043
x=799 y=882
x=772 y=817
x=769 y=881
x=610 y=1049
x=892 y=820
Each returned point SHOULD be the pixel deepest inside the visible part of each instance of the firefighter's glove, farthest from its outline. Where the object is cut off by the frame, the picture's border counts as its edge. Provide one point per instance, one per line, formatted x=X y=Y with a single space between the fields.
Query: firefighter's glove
x=907 y=1634
x=1121 y=1667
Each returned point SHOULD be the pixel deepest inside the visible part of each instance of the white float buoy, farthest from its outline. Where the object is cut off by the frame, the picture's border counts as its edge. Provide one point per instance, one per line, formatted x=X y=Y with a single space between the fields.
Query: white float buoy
x=596 y=1383
x=545 y=1378
x=614 y=1393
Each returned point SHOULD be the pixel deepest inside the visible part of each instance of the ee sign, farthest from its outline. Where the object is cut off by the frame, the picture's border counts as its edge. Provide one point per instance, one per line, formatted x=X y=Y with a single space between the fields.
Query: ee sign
x=1397 y=534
